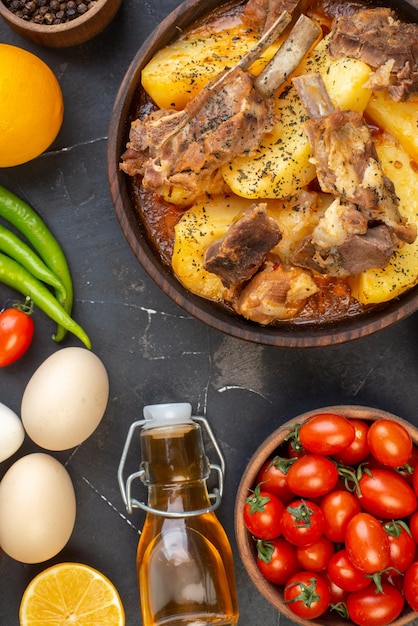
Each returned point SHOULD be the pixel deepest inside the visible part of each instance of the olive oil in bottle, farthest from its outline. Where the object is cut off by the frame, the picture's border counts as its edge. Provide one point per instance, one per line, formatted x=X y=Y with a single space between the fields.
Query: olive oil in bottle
x=184 y=560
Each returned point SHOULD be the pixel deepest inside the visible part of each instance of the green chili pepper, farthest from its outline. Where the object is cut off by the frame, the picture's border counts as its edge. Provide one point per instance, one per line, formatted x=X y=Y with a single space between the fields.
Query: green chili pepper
x=31 y=225
x=16 y=276
x=14 y=247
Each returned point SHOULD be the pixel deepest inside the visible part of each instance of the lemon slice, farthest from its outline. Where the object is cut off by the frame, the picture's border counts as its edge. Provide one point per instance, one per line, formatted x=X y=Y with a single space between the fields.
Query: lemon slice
x=71 y=593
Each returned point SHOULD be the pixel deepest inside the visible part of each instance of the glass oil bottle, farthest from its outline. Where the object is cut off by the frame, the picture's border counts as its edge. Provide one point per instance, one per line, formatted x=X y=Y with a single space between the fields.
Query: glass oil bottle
x=184 y=560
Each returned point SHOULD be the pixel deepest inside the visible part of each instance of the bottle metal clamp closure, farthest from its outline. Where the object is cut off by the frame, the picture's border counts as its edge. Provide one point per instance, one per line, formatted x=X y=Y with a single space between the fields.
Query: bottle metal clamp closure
x=126 y=487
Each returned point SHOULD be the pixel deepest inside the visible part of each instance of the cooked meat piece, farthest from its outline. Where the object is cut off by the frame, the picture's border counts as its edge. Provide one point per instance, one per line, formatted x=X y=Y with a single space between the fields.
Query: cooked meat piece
x=347 y=164
x=217 y=125
x=275 y=293
x=239 y=254
x=357 y=253
x=338 y=222
x=359 y=229
x=223 y=115
x=380 y=79
x=376 y=36
x=371 y=250
x=262 y=13
x=228 y=118
x=319 y=251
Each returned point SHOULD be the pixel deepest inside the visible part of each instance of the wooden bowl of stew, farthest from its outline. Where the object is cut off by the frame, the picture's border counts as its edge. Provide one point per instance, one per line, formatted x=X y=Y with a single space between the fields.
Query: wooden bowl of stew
x=327 y=324
x=66 y=33
x=274 y=445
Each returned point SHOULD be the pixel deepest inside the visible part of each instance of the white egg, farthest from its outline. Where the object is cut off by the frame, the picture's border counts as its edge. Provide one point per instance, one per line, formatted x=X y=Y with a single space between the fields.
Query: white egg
x=65 y=399
x=37 y=508
x=12 y=432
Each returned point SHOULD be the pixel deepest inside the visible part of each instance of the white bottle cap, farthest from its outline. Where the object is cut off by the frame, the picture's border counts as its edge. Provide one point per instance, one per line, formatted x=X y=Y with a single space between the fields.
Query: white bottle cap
x=167 y=414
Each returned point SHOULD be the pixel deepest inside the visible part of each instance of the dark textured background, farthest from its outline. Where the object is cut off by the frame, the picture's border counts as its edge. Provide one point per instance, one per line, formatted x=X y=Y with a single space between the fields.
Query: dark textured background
x=153 y=351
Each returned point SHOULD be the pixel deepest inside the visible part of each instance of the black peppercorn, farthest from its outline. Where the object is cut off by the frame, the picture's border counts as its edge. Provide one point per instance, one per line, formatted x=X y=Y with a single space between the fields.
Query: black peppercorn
x=48 y=12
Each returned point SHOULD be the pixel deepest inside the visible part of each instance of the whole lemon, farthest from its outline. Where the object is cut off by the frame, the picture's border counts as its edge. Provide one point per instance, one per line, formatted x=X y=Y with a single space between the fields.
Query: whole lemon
x=31 y=106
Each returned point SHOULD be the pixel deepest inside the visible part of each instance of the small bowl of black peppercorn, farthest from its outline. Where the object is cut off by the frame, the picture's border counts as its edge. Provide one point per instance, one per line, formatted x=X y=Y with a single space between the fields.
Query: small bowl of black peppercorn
x=58 y=23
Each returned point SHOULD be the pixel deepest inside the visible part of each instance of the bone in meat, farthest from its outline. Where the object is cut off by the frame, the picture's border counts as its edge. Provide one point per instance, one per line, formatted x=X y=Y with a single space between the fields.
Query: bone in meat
x=346 y=159
x=288 y=57
x=228 y=118
x=262 y=13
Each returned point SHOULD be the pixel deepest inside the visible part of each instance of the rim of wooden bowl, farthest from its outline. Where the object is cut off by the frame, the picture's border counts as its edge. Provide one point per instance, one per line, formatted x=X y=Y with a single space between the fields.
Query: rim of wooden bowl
x=210 y=313
x=74 y=32
x=246 y=546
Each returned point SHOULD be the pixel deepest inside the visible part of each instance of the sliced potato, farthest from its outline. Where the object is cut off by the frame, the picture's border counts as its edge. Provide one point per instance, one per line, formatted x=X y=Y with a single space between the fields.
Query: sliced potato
x=381 y=285
x=179 y=71
x=400 y=119
x=281 y=165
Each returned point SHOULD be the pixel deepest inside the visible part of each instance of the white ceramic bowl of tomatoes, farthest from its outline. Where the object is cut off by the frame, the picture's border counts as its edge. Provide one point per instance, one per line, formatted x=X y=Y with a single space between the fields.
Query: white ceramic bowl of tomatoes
x=326 y=518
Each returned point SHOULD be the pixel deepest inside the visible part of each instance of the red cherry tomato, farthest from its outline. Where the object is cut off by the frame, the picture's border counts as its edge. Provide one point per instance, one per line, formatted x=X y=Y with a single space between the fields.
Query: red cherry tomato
x=307 y=594
x=302 y=522
x=413 y=459
x=16 y=333
x=367 y=543
x=413 y=525
x=273 y=477
x=315 y=556
x=410 y=585
x=401 y=545
x=389 y=442
x=358 y=450
x=337 y=594
x=262 y=512
x=386 y=495
x=415 y=480
x=344 y=574
x=326 y=433
x=338 y=508
x=312 y=476
x=295 y=449
x=277 y=560
x=368 y=608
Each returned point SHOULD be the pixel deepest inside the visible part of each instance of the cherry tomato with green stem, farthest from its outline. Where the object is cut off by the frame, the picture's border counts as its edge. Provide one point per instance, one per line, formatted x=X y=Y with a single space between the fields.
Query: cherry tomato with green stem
x=367 y=543
x=276 y=560
x=16 y=332
x=326 y=433
x=273 y=477
x=358 y=450
x=302 y=522
x=312 y=476
x=368 y=608
x=403 y=471
x=385 y=494
x=389 y=442
x=262 y=513
x=401 y=545
x=307 y=594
